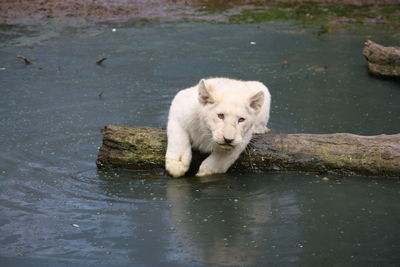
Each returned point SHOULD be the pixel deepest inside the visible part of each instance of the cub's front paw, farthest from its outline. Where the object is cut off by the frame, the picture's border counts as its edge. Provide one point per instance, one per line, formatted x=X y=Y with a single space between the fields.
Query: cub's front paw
x=175 y=167
x=201 y=173
x=207 y=170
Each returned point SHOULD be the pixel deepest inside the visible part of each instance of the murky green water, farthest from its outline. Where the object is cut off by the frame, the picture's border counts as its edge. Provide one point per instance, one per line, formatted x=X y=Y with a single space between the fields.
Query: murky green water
x=57 y=209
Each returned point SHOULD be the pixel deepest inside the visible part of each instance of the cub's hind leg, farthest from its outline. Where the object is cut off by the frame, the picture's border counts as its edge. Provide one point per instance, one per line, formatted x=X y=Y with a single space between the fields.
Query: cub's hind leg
x=179 y=152
x=260 y=125
x=261 y=129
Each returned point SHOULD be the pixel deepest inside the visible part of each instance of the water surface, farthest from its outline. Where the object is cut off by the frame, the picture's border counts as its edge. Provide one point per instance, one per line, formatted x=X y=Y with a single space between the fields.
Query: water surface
x=56 y=208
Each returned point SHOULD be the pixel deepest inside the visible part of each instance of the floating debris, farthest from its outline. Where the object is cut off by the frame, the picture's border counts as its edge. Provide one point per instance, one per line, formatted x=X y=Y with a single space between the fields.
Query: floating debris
x=99 y=61
x=285 y=64
x=317 y=68
x=25 y=59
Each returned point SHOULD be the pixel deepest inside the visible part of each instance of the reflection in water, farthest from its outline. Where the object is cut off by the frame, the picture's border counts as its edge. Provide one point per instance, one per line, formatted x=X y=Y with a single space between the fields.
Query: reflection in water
x=225 y=221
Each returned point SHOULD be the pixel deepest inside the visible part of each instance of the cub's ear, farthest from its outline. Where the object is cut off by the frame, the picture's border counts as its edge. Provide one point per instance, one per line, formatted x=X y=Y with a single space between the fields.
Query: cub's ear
x=257 y=100
x=204 y=94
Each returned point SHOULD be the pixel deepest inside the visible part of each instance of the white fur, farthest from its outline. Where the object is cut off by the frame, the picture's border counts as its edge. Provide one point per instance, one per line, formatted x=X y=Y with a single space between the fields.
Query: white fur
x=195 y=121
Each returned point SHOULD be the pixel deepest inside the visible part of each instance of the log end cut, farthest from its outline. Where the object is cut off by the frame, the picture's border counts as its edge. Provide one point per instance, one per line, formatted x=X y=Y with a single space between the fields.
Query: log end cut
x=136 y=148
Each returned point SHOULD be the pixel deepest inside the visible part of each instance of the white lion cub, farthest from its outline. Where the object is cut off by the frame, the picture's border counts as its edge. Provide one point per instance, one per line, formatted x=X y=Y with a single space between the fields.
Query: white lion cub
x=217 y=116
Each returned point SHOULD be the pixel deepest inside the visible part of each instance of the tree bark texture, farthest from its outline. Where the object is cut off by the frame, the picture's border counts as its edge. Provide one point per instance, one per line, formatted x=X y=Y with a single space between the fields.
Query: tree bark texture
x=382 y=61
x=143 y=148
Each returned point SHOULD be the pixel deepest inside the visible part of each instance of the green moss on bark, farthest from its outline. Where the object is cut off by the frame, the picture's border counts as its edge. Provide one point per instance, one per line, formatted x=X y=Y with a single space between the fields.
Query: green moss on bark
x=319 y=13
x=143 y=148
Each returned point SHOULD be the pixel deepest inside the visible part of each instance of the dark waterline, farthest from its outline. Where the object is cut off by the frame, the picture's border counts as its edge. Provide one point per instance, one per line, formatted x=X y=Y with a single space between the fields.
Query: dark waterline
x=57 y=209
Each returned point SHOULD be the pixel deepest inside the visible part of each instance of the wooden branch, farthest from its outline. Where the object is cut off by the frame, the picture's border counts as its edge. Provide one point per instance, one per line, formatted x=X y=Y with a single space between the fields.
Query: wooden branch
x=25 y=59
x=100 y=60
x=382 y=61
x=143 y=148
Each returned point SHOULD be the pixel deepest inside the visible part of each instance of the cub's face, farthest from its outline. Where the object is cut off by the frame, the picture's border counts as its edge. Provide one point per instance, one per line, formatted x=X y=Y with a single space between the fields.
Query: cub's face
x=228 y=112
x=228 y=123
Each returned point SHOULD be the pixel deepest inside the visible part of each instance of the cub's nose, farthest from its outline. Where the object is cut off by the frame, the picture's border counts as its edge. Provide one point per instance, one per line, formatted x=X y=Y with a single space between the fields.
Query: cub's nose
x=227 y=140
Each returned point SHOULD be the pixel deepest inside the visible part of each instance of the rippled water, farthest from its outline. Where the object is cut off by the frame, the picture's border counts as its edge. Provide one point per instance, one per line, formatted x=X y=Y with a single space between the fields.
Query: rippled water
x=56 y=208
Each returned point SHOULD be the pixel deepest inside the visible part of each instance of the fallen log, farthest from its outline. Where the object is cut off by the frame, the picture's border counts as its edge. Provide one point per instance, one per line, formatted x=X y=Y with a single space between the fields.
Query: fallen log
x=382 y=60
x=143 y=148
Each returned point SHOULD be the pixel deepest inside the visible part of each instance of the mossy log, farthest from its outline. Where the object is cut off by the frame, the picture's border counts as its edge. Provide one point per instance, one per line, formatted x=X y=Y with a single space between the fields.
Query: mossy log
x=382 y=60
x=143 y=148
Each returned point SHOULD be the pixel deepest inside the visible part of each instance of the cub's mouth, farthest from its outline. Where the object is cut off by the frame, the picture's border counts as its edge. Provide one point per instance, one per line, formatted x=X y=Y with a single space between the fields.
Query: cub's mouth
x=225 y=146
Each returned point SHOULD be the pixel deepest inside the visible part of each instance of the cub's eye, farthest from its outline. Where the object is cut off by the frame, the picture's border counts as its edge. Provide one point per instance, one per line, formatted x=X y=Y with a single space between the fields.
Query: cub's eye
x=241 y=120
x=221 y=116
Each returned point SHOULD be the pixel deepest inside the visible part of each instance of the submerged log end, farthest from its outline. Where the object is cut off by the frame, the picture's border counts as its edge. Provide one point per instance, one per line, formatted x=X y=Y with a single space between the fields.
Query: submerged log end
x=382 y=60
x=384 y=70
